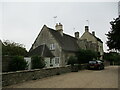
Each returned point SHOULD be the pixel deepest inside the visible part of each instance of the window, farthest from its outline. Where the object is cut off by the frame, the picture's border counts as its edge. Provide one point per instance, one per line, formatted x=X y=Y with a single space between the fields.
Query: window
x=50 y=61
x=51 y=64
x=57 y=60
x=52 y=46
x=92 y=62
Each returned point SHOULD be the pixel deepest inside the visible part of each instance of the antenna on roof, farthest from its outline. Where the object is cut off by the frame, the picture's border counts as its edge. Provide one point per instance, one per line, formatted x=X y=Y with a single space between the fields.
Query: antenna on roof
x=55 y=19
x=73 y=29
x=87 y=22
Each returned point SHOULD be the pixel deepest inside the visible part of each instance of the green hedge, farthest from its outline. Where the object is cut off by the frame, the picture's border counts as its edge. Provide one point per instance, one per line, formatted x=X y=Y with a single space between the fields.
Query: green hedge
x=37 y=62
x=17 y=63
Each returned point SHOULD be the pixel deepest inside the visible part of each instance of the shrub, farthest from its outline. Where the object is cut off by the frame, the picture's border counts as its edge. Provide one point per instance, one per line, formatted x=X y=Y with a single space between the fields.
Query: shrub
x=84 y=56
x=37 y=62
x=18 y=63
x=72 y=60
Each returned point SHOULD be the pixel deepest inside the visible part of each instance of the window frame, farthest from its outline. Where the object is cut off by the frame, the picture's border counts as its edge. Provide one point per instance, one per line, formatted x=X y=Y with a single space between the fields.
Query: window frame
x=57 y=60
x=52 y=46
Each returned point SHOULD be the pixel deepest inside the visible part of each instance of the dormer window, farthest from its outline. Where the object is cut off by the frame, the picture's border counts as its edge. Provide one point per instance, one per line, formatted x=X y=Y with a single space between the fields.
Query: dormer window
x=52 y=46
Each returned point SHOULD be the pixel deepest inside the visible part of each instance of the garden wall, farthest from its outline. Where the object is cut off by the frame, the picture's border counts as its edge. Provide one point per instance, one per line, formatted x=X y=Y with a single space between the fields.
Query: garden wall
x=10 y=78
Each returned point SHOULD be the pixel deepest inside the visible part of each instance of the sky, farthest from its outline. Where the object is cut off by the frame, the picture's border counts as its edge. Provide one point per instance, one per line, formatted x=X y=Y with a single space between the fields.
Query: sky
x=21 y=22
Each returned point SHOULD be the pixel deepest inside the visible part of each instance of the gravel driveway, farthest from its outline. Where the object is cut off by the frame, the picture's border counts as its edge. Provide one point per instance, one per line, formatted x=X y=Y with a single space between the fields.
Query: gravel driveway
x=107 y=78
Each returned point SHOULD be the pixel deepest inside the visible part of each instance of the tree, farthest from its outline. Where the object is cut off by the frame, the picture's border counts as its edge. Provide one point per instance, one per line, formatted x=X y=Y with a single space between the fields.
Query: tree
x=13 y=49
x=37 y=62
x=114 y=35
x=17 y=63
x=86 y=55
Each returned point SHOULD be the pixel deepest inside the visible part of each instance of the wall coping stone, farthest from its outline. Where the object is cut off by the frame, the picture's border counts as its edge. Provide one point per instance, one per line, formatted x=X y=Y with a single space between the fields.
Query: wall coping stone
x=32 y=70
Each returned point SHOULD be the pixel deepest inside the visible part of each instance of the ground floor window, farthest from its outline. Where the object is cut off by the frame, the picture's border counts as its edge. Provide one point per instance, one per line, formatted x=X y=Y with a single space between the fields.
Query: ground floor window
x=57 y=60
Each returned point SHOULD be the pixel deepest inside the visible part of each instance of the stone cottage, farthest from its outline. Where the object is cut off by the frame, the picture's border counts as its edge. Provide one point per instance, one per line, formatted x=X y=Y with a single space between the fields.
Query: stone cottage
x=90 y=37
x=56 y=47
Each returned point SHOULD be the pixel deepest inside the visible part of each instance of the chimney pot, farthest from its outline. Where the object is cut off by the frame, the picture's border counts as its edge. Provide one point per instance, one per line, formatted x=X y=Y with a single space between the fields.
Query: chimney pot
x=59 y=28
x=87 y=28
x=77 y=35
x=93 y=33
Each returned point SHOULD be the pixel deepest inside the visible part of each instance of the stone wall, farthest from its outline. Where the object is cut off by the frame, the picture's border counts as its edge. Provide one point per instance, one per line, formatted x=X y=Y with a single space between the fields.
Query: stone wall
x=11 y=78
x=107 y=63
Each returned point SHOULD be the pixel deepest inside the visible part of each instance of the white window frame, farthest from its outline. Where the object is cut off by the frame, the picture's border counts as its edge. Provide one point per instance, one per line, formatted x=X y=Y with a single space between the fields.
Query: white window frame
x=57 y=60
x=52 y=46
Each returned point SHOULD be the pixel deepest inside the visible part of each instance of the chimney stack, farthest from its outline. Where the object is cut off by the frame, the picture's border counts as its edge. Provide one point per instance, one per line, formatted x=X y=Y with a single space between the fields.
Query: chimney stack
x=59 y=28
x=86 y=28
x=93 y=33
x=77 y=35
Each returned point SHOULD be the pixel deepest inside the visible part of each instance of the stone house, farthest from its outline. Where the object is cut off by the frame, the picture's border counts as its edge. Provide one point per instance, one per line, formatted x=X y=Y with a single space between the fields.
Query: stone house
x=57 y=46
x=90 y=37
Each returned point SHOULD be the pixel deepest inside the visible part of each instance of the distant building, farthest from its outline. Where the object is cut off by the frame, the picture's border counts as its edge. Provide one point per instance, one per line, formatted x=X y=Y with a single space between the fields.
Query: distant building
x=92 y=37
x=56 y=47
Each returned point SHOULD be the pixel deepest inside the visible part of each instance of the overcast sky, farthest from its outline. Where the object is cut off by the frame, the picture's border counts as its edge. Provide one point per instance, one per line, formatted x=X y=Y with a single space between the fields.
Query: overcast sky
x=22 y=21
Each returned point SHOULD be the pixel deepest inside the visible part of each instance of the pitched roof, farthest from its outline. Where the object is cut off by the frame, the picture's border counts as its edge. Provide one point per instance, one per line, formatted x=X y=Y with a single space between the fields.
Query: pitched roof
x=41 y=50
x=98 y=39
x=67 y=42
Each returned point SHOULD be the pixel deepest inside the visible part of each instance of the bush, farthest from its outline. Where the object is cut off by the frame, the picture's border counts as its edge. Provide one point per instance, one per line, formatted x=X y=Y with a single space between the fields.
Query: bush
x=37 y=62
x=72 y=60
x=18 y=63
x=74 y=63
x=84 y=56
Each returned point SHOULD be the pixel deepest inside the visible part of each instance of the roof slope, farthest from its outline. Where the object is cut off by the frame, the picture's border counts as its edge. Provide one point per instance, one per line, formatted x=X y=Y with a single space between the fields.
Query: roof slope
x=67 y=42
x=98 y=39
x=42 y=51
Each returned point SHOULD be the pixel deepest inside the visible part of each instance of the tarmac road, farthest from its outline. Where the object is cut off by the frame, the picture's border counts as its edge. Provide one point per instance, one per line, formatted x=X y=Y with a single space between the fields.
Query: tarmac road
x=107 y=78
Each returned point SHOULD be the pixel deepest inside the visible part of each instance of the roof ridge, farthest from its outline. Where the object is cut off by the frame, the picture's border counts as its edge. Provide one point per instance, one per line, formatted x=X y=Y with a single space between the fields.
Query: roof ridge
x=67 y=42
x=70 y=36
x=63 y=33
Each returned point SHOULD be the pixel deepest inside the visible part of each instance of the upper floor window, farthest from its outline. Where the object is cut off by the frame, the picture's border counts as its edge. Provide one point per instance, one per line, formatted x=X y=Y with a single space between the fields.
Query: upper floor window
x=52 y=46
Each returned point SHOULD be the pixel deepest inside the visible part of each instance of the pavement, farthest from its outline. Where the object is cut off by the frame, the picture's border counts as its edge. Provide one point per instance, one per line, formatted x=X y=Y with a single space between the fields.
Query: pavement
x=107 y=78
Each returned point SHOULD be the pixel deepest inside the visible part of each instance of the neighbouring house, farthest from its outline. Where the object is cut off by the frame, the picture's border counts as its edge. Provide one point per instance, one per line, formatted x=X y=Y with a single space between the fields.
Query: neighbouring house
x=92 y=38
x=56 y=47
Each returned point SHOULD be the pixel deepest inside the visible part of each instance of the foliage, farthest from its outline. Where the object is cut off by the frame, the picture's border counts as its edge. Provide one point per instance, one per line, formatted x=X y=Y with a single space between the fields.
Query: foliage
x=13 y=49
x=18 y=63
x=86 y=55
x=37 y=62
x=114 y=35
x=112 y=57
x=0 y=48
x=72 y=60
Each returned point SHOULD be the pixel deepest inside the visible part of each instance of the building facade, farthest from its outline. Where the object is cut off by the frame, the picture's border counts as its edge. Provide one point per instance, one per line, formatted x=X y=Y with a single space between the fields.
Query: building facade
x=91 y=37
x=58 y=46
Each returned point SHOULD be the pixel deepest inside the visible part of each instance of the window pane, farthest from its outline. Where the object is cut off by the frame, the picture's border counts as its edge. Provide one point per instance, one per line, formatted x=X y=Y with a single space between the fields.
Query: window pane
x=57 y=60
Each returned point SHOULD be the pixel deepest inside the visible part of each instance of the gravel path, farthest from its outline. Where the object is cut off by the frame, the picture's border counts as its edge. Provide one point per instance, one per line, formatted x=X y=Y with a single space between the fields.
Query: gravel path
x=107 y=78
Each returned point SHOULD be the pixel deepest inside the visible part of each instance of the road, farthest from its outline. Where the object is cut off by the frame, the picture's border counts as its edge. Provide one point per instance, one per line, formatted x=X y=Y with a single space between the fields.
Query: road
x=107 y=78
